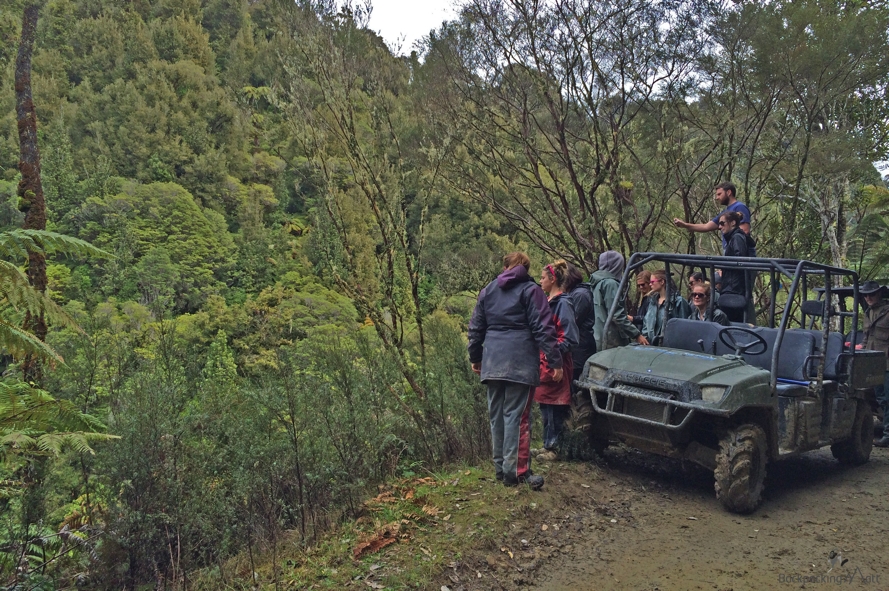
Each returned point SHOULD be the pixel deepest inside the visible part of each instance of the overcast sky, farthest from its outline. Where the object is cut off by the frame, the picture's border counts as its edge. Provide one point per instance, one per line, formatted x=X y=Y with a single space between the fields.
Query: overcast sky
x=404 y=22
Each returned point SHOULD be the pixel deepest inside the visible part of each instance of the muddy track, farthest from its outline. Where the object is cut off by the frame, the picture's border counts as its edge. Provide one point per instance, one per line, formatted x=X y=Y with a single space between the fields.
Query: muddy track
x=638 y=521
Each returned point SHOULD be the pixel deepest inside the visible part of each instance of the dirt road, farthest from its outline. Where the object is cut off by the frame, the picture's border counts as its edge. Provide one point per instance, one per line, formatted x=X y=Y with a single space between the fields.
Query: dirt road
x=641 y=522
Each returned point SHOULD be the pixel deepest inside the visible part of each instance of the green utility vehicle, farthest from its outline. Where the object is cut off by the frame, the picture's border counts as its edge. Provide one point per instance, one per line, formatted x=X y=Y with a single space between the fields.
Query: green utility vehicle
x=736 y=398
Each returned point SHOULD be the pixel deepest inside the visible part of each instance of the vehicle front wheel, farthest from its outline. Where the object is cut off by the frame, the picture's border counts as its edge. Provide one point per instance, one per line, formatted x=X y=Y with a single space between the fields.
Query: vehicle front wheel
x=855 y=451
x=587 y=437
x=741 y=468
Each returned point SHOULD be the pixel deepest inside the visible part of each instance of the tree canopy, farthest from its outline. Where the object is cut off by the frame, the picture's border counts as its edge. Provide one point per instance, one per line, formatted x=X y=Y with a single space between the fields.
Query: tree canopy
x=274 y=230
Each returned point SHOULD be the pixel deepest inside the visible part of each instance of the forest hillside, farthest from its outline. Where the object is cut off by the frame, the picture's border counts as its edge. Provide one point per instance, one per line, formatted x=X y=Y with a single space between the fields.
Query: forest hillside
x=276 y=228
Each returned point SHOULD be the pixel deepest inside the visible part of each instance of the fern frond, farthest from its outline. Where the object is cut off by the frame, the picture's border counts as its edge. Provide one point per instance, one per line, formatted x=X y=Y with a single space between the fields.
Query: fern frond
x=868 y=246
x=16 y=290
x=32 y=421
x=16 y=244
x=20 y=343
x=18 y=439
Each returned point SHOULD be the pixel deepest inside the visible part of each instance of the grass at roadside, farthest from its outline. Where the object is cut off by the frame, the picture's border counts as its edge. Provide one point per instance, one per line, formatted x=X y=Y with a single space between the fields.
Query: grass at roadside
x=409 y=533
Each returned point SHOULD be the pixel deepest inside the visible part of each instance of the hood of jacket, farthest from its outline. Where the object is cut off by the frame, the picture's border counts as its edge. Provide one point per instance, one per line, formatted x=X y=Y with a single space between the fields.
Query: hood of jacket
x=613 y=262
x=512 y=277
x=601 y=275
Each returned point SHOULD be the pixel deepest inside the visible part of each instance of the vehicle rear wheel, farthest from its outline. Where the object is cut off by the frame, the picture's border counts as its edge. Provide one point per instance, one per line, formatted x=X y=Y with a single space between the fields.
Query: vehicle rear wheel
x=586 y=439
x=856 y=450
x=741 y=468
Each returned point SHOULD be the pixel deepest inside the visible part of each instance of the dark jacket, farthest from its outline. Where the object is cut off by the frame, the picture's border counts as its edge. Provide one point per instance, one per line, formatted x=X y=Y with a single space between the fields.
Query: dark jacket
x=563 y=315
x=511 y=324
x=550 y=391
x=876 y=328
x=718 y=316
x=582 y=299
x=640 y=313
x=657 y=315
x=621 y=331
x=733 y=280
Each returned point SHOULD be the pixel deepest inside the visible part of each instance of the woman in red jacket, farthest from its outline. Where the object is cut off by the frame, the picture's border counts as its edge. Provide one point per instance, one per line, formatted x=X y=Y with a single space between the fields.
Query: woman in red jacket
x=554 y=395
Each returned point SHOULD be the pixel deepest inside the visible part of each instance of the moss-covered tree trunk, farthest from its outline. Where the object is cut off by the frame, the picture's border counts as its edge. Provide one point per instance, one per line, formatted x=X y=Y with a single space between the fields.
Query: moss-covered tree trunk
x=30 y=190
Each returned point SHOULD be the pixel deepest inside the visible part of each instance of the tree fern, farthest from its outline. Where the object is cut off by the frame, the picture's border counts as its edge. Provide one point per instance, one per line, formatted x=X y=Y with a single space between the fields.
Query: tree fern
x=18 y=293
x=17 y=297
x=19 y=343
x=17 y=244
x=32 y=422
x=869 y=247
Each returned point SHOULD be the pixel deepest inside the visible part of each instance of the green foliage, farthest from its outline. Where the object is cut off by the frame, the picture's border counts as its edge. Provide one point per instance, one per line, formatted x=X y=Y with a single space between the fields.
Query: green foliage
x=18 y=298
x=168 y=248
x=301 y=221
x=34 y=423
x=36 y=432
x=869 y=240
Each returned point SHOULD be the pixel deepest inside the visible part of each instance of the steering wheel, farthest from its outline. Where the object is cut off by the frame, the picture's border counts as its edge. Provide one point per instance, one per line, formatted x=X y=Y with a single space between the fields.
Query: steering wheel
x=728 y=339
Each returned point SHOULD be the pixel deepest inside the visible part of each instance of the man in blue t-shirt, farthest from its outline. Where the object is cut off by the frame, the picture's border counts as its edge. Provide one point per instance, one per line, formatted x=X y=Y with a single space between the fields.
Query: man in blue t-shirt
x=725 y=196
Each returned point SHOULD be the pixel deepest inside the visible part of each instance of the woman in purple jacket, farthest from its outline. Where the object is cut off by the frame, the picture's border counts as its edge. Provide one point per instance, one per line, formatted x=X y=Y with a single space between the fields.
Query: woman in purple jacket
x=511 y=324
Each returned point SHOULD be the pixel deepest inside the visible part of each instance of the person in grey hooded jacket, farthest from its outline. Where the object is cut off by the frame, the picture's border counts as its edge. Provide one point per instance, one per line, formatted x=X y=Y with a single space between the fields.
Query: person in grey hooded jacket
x=511 y=324
x=604 y=284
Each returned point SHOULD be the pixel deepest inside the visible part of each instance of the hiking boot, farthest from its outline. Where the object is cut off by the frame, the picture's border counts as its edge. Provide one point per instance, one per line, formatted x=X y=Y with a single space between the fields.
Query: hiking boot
x=536 y=451
x=883 y=442
x=534 y=481
x=548 y=455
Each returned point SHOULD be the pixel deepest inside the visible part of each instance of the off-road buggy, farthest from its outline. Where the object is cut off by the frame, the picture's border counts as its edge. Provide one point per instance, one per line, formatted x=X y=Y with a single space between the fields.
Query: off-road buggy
x=736 y=398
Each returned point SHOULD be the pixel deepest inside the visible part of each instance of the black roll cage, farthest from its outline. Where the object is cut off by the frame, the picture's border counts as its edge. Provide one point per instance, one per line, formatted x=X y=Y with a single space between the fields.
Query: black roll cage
x=798 y=271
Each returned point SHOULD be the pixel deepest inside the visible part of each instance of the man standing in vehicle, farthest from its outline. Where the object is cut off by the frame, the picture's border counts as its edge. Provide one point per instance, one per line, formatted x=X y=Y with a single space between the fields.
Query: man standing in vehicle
x=876 y=338
x=726 y=196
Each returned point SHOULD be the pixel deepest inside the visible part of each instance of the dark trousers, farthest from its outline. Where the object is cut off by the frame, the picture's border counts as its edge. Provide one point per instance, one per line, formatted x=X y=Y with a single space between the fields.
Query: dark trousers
x=554 y=417
x=882 y=393
x=734 y=314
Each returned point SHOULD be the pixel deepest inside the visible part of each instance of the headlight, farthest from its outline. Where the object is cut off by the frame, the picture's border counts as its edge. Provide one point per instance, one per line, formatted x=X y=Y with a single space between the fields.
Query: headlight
x=596 y=373
x=713 y=393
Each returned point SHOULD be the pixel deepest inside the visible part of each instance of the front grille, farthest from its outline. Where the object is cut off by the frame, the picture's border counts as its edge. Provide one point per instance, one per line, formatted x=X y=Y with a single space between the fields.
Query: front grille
x=644 y=409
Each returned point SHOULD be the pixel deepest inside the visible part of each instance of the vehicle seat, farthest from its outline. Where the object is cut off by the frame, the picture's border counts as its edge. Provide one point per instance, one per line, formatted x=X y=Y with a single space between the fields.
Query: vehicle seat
x=835 y=348
x=791 y=389
x=796 y=348
x=682 y=333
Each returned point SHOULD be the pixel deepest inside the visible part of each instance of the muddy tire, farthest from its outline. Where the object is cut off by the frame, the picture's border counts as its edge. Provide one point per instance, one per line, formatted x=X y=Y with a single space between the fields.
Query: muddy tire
x=855 y=451
x=741 y=468
x=584 y=429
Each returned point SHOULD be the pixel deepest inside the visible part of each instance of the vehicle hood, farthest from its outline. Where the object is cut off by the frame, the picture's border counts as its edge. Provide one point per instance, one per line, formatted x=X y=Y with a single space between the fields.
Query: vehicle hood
x=676 y=364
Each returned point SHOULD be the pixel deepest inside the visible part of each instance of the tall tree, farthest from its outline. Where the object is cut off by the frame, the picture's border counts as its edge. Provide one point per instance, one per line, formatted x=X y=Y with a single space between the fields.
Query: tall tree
x=30 y=190
x=548 y=97
x=348 y=102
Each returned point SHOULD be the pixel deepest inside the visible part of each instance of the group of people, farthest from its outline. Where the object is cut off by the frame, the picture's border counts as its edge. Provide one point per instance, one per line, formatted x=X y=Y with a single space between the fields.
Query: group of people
x=529 y=342
x=654 y=308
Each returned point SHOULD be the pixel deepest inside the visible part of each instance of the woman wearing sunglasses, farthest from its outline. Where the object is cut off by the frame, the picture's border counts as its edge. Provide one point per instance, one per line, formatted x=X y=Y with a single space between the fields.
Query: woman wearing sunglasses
x=643 y=290
x=660 y=310
x=700 y=297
